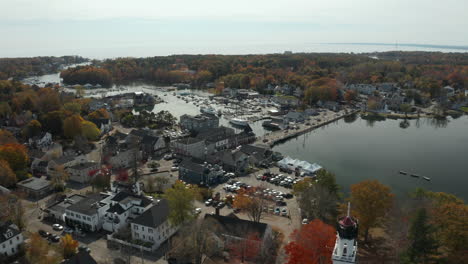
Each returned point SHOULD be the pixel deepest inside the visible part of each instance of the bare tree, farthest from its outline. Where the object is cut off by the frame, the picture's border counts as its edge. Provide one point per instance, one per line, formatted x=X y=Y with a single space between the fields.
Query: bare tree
x=197 y=242
x=316 y=201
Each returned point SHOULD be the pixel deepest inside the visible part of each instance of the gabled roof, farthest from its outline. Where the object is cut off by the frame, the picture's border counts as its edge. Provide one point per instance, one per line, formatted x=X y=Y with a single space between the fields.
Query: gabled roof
x=7 y=231
x=126 y=196
x=192 y=166
x=64 y=159
x=237 y=227
x=148 y=139
x=155 y=215
x=82 y=257
x=116 y=208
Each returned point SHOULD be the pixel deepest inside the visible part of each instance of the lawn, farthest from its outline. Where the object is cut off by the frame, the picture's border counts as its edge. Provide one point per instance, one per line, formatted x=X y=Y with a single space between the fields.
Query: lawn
x=464 y=109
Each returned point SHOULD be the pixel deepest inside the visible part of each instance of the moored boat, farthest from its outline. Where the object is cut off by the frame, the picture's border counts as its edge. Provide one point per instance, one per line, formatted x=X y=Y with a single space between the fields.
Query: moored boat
x=238 y=122
x=426 y=178
x=403 y=172
x=415 y=175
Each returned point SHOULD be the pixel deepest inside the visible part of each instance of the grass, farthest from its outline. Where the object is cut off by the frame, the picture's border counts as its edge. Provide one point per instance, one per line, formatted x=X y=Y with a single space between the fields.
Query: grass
x=464 y=109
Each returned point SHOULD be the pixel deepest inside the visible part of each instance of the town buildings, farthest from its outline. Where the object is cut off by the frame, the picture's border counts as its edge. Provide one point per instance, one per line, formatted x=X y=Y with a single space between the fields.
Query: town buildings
x=35 y=188
x=198 y=123
x=11 y=239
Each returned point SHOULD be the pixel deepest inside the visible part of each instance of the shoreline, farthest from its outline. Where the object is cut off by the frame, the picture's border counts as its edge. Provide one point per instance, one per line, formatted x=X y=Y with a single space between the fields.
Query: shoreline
x=280 y=136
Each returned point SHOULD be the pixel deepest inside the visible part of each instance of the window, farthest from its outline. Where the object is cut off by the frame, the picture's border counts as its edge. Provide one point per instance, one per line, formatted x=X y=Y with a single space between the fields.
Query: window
x=143 y=236
x=151 y=238
x=137 y=235
x=142 y=228
x=135 y=227
x=150 y=230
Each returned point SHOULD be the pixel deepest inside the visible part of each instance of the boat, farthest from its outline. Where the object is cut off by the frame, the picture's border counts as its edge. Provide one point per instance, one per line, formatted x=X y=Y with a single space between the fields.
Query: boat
x=208 y=110
x=415 y=175
x=427 y=178
x=239 y=122
x=403 y=172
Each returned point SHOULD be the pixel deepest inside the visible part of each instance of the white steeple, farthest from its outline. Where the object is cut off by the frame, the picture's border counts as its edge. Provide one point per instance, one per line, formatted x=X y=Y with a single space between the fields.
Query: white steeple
x=346 y=245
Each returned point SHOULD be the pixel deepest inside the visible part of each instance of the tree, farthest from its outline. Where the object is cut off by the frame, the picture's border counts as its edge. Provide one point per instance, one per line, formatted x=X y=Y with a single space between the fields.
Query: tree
x=38 y=251
x=251 y=204
x=12 y=210
x=53 y=122
x=246 y=249
x=180 y=201
x=16 y=155
x=311 y=244
x=101 y=180
x=370 y=201
x=350 y=95
x=198 y=242
x=6 y=137
x=122 y=175
x=99 y=114
x=33 y=128
x=73 y=107
x=423 y=246
x=89 y=130
x=72 y=126
x=405 y=108
x=328 y=180
x=159 y=183
x=59 y=177
x=318 y=202
x=372 y=104
x=7 y=176
x=69 y=246
x=5 y=110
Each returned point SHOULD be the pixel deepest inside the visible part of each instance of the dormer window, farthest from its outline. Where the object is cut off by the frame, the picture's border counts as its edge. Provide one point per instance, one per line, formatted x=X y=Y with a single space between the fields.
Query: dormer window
x=8 y=234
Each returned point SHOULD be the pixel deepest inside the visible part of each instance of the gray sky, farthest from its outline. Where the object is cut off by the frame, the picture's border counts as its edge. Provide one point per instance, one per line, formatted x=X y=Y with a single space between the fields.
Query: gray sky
x=110 y=28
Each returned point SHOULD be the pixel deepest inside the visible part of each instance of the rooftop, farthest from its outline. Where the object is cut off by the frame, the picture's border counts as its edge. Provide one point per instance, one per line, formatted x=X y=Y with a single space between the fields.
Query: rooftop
x=67 y=202
x=237 y=227
x=155 y=215
x=88 y=205
x=84 y=165
x=34 y=183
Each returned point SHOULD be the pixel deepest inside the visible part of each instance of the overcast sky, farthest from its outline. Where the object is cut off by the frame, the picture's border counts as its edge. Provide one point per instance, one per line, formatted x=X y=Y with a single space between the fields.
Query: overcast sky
x=110 y=28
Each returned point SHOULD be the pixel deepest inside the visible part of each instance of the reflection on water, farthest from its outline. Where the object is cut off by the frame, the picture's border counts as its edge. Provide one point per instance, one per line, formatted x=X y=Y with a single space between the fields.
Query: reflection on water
x=371 y=149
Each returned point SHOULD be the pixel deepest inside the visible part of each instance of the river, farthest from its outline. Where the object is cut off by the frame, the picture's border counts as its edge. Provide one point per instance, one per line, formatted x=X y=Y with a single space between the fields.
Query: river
x=356 y=149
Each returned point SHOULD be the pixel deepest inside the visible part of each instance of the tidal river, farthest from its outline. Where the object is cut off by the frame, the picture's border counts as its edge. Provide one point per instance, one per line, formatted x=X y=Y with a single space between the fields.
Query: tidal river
x=356 y=150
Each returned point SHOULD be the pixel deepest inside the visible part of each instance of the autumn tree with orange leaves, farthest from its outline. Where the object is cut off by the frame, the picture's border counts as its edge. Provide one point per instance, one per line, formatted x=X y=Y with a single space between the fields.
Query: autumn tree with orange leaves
x=247 y=249
x=371 y=201
x=312 y=244
x=16 y=155
x=251 y=204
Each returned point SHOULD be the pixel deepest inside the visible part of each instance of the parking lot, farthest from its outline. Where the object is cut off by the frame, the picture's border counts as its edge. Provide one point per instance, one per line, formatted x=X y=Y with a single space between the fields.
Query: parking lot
x=285 y=223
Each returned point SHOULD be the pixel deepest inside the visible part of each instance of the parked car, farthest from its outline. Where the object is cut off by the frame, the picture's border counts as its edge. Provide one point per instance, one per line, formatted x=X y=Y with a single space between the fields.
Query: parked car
x=57 y=227
x=280 y=203
x=305 y=221
x=82 y=248
x=43 y=233
x=209 y=202
x=68 y=230
x=284 y=212
x=220 y=205
x=198 y=210
x=174 y=168
x=54 y=238
x=277 y=211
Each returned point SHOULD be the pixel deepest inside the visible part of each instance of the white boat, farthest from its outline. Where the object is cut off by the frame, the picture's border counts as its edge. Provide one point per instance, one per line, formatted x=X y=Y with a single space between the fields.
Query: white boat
x=208 y=110
x=239 y=122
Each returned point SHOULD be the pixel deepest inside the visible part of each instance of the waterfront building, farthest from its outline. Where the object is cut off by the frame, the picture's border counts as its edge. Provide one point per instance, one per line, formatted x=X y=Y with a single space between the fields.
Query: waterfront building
x=198 y=123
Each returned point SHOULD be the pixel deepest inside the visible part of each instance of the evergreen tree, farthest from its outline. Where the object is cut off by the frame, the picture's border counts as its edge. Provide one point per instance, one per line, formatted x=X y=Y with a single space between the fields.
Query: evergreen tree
x=423 y=246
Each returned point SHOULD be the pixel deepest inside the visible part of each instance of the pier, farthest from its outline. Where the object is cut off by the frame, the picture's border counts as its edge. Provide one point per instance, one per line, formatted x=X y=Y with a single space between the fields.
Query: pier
x=280 y=136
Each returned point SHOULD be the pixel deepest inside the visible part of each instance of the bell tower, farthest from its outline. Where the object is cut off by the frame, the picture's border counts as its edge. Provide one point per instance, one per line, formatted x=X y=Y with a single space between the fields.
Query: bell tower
x=346 y=240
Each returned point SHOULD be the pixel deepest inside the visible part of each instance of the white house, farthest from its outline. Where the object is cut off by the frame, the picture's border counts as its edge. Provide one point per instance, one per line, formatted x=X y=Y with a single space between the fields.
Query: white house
x=124 y=206
x=10 y=239
x=88 y=213
x=153 y=226
x=193 y=147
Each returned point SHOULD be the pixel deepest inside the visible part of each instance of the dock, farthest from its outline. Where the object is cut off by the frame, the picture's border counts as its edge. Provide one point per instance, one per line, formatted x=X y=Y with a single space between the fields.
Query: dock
x=280 y=136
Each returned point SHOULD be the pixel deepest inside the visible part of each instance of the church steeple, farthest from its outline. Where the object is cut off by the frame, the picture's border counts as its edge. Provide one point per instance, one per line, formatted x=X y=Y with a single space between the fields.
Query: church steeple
x=346 y=240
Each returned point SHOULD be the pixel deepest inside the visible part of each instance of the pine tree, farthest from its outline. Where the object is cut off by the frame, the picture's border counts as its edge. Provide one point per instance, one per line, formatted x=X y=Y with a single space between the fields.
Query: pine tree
x=423 y=246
